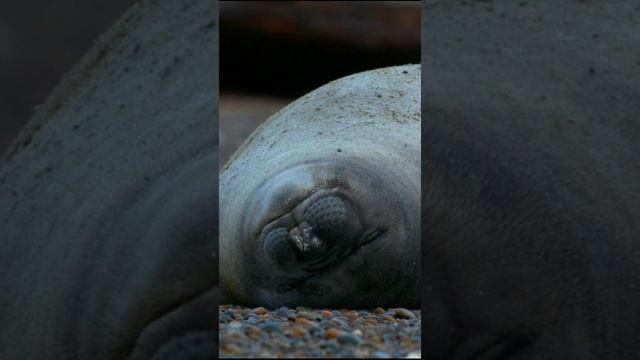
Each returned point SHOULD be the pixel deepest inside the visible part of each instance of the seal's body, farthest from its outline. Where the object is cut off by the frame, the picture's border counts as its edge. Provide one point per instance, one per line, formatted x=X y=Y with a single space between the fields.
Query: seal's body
x=320 y=206
x=531 y=176
x=108 y=219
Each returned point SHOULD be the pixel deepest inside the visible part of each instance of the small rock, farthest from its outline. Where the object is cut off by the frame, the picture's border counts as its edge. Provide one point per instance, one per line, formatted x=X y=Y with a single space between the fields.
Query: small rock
x=252 y=319
x=313 y=330
x=404 y=314
x=283 y=343
x=304 y=322
x=372 y=321
x=271 y=326
x=269 y=317
x=388 y=318
x=352 y=315
x=381 y=355
x=332 y=333
x=330 y=347
x=347 y=353
x=231 y=337
x=299 y=332
x=283 y=312
x=405 y=341
x=253 y=332
x=348 y=339
x=230 y=349
x=260 y=310
x=307 y=315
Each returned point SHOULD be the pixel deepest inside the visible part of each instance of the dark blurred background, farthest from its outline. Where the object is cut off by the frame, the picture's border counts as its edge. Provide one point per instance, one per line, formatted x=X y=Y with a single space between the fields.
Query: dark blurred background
x=39 y=42
x=272 y=52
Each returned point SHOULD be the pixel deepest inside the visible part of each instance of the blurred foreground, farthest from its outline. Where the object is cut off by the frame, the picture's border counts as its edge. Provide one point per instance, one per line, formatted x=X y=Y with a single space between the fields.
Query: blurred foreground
x=305 y=333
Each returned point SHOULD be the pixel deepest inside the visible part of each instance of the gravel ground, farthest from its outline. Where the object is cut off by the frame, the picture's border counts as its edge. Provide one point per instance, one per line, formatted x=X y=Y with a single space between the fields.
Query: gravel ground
x=304 y=332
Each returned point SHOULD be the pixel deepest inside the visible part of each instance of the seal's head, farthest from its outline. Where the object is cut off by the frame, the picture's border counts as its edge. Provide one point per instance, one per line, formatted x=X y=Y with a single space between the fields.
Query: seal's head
x=329 y=232
x=321 y=206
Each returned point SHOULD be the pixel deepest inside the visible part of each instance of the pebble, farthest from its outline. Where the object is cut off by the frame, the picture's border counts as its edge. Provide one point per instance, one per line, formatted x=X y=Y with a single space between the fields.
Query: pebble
x=302 y=332
x=380 y=355
x=252 y=319
x=283 y=312
x=253 y=332
x=404 y=314
x=235 y=325
x=304 y=322
x=332 y=333
x=271 y=326
x=388 y=319
x=306 y=315
x=298 y=331
x=260 y=310
x=348 y=339
x=372 y=321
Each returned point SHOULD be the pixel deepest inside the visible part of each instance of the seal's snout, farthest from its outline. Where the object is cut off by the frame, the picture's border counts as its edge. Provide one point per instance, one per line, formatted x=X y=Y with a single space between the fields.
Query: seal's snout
x=327 y=216
x=305 y=239
x=278 y=247
x=311 y=230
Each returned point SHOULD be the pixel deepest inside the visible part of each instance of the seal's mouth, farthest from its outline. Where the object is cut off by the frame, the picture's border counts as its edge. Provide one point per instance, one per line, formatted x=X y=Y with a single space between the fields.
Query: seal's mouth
x=367 y=239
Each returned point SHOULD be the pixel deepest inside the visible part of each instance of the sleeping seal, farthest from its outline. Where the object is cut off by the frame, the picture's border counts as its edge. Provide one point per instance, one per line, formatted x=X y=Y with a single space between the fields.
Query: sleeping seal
x=108 y=216
x=320 y=206
x=531 y=176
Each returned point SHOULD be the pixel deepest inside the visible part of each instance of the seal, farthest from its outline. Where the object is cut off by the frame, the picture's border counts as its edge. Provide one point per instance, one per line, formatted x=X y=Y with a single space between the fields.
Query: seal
x=321 y=205
x=530 y=209
x=109 y=199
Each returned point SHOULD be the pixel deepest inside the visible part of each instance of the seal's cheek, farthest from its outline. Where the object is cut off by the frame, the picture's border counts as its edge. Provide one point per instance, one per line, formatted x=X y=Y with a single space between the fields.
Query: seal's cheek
x=191 y=346
x=159 y=263
x=186 y=332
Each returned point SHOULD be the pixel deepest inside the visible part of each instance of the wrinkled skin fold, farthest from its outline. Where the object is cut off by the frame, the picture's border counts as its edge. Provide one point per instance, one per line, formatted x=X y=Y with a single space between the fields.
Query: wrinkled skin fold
x=109 y=199
x=530 y=180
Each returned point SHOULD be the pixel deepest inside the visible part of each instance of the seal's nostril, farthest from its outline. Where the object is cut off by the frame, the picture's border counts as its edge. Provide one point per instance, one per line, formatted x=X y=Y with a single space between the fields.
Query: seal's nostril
x=305 y=239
